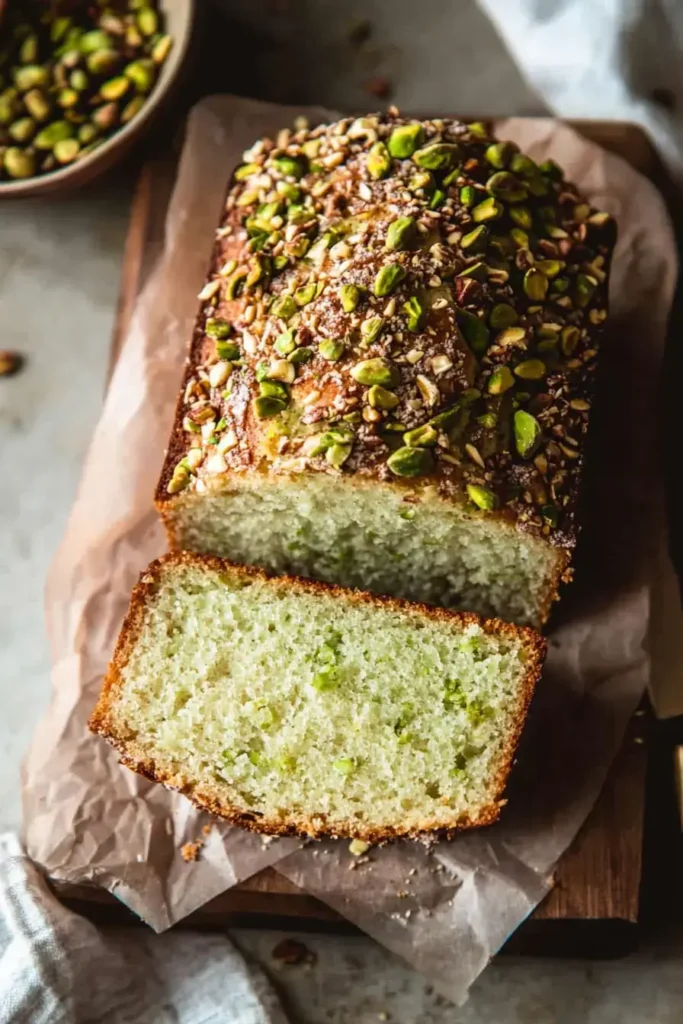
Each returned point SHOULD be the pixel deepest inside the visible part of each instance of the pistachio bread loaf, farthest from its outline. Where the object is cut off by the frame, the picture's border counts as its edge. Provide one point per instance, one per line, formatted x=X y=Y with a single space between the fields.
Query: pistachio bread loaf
x=289 y=706
x=390 y=377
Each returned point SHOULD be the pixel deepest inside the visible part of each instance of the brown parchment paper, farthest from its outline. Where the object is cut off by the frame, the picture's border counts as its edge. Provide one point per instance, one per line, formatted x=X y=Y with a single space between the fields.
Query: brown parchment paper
x=446 y=909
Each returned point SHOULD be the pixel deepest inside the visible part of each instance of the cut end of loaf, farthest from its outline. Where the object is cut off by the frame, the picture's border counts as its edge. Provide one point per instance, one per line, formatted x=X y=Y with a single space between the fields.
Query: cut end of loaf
x=290 y=707
x=404 y=542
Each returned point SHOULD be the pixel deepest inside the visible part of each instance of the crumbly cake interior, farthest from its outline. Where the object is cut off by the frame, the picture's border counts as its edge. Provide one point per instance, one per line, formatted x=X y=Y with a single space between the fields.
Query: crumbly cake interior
x=372 y=538
x=318 y=708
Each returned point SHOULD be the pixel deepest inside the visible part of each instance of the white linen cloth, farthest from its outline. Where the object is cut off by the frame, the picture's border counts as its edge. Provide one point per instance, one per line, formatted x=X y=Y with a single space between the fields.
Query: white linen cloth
x=618 y=59
x=58 y=968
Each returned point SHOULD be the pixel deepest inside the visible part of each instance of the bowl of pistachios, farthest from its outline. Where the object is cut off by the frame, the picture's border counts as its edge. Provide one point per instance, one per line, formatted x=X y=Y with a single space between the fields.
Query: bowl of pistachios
x=79 y=82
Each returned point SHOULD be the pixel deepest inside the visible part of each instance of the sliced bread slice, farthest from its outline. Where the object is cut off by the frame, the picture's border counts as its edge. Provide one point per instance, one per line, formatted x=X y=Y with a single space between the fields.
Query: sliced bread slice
x=289 y=706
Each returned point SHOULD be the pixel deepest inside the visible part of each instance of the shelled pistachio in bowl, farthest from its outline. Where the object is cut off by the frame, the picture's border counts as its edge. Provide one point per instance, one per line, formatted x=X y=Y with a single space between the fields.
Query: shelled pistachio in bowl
x=71 y=76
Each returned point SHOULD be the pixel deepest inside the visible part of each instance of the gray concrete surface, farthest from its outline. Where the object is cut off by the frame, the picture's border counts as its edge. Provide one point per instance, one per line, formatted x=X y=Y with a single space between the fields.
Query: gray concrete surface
x=59 y=270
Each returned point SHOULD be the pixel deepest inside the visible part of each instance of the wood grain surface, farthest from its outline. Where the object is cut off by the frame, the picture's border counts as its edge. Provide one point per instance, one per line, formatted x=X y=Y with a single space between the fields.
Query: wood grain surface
x=593 y=909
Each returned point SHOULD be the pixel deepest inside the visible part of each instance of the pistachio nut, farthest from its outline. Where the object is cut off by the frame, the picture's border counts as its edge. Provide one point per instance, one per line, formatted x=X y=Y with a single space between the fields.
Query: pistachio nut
x=551 y=170
x=506 y=186
x=180 y=478
x=415 y=312
x=303 y=354
x=132 y=109
x=282 y=370
x=468 y=194
x=67 y=99
x=371 y=328
x=19 y=163
x=142 y=73
x=349 y=295
x=437 y=156
x=22 y=130
x=337 y=455
x=482 y=497
x=585 y=289
x=105 y=116
x=375 y=371
x=447 y=418
x=285 y=343
x=66 y=150
x=535 y=284
x=148 y=21
x=404 y=140
x=500 y=381
x=511 y=336
x=477 y=271
x=499 y=154
x=522 y=217
x=531 y=369
x=524 y=166
x=102 y=62
x=475 y=239
x=489 y=209
x=290 y=166
x=519 y=237
x=474 y=331
x=569 y=336
x=266 y=408
x=378 y=161
x=95 y=40
x=269 y=388
x=401 y=233
x=28 y=51
x=409 y=462
x=284 y=307
x=388 y=278
x=420 y=437
x=302 y=296
x=551 y=268
x=503 y=315
x=527 y=433
x=31 y=76
x=161 y=49
x=52 y=133
x=331 y=349
x=380 y=398
x=217 y=328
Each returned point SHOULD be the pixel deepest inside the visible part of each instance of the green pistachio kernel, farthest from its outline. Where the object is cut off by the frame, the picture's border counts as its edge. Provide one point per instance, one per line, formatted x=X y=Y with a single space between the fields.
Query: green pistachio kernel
x=291 y=167
x=344 y=765
x=499 y=154
x=421 y=181
x=52 y=133
x=475 y=239
x=511 y=336
x=560 y=285
x=337 y=455
x=217 y=328
x=298 y=213
x=500 y=381
x=404 y=140
x=375 y=371
x=504 y=185
x=410 y=461
x=148 y=21
x=524 y=166
x=302 y=296
x=569 y=339
x=519 y=237
x=474 y=331
x=503 y=315
x=551 y=268
x=415 y=312
x=303 y=354
x=585 y=289
x=115 y=88
x=477 y=271
x=535 y=284
x=66 y=150
x=19 y=163
x=330 y=349
x=401 y=233
x=531 y=369
x=388 y=278
x=89 y=42
x=488 y=420
x=482 y=497
x=437 y=200
x=349 y=295
x=421 y=437
x=266 y=408
x=102 y=62
x=285 y=343
x=371 y=328
x=438 y=156
x=161 y=49
x=235 y=285
x=284 y=307
x=527 y=433
x=274 y=389
x=477 y=129
x=22 y=129
x=489 y=209
x=467 y=195
x=446 y=419
x=228 y=350
x=521 y=215
x=380 y=398
x=379 y=161
x=31 y=76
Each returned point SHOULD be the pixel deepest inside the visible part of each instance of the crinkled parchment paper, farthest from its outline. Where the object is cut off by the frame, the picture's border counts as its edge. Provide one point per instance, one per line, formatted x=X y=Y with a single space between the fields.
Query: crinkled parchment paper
x=88 y=820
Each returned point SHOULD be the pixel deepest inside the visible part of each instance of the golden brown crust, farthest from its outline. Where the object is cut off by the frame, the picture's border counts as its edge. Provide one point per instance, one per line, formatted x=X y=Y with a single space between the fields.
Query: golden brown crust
x=132 y=754
x=564 y=241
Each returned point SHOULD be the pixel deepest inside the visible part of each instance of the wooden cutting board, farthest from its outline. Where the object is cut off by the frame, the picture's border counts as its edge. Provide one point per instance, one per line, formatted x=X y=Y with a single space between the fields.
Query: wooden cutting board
x=594 y=908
